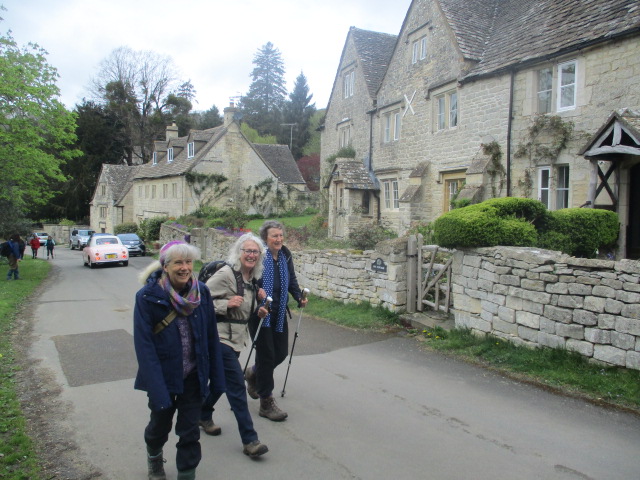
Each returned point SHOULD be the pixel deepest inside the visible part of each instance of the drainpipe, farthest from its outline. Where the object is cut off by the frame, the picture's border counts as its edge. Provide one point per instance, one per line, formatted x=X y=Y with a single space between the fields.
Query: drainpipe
x=509 y=125
x=376 y=196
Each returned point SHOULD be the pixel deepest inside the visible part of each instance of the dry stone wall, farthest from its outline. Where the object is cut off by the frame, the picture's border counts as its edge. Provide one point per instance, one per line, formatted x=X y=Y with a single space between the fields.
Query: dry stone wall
x=544 y=298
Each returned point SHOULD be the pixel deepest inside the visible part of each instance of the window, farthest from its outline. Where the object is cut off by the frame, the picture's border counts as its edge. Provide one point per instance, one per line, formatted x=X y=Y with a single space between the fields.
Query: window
x=103 y=189
x=103 y=212
x=191 y=150
x=146 y=191
x=562 y=188
x=446 y=111
x=165 y=190
x=349 y=82
x=545 y=82
x=544 y=185
x=139 y=191
x=365 y=207
x=391 y=196
x=567 y=85
x=155 y=158
x=344 y=134
x=174 y=190
x=391 y=126
x=419 y=50
x=153 y=191
x=553 y=187
x=170 y=155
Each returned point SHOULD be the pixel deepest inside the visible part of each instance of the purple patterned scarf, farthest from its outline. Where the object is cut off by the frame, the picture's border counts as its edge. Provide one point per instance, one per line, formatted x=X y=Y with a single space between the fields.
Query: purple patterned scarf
x=184 y=305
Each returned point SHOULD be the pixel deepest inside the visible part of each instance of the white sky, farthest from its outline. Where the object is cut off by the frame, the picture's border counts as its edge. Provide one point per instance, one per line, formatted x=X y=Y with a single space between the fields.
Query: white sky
x=212 y=42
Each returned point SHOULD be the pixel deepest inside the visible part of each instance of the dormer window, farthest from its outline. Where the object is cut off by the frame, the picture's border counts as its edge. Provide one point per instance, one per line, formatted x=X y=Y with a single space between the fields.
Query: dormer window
x=170 y=155
x=155 y=158
x=191 y=150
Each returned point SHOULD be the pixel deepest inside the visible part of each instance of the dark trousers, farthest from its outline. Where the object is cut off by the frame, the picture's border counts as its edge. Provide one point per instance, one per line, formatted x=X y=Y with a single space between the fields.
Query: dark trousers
x=50 y=252
x=34 y=252
x=271 y=349
x=188 y=405
x=236 y=394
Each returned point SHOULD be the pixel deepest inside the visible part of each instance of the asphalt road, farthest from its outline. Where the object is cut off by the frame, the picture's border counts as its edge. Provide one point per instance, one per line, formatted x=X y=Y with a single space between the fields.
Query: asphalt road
x=361 y=406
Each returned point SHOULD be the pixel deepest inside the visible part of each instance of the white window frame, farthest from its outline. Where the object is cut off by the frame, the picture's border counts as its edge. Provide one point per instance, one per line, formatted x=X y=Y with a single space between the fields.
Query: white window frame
x=174 y=190
x=397 y=119
x=103 y=212
x=562 y=186
x=391 y=194
x=415 y=52
x=165 y=190
x=447 y=110
x=544 y=173
x=344 y=136
x=191 y=149
x=153 y=191
x=544 y=90
x=423 y=48
x=566 y=85
x=391 y=126
x=349 y=83
x=170 y=154
x=155 y=158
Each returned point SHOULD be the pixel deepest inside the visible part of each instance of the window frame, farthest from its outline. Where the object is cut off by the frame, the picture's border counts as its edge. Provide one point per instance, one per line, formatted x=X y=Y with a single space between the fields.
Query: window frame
x=155 y=158
x=170 y=154
x=563 y=87
x=391 y=126
x=547 y=89
x=391 y=194
x=546 y=170
x=562 y=174
x=344 y=136
x=191 y=149
x=447 y=110
x=423 y=47
x=349 y=83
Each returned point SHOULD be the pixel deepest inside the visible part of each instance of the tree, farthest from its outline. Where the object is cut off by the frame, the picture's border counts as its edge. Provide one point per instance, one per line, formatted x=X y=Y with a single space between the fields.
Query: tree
x=36 y=130
x=297 y=115
x=309 y=167
x=262 y=106
x=209 y=119
x=101 y=140
x=138 y=86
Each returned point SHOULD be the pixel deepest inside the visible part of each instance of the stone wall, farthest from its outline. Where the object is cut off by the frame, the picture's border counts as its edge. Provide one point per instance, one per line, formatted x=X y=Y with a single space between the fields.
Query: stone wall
x=375 y=276
x=543 y=298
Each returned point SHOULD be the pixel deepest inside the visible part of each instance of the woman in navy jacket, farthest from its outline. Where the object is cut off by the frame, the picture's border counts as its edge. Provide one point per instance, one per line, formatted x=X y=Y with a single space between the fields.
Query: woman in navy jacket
x=178 y=351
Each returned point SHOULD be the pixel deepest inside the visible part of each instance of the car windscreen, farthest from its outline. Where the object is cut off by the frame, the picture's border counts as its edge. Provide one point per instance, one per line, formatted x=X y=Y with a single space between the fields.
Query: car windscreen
x=106 y=241
x=85 y=232
x=128 y=236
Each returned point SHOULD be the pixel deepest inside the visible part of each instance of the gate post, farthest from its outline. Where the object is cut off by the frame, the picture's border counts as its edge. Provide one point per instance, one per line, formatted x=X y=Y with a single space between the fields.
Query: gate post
x=412 y=264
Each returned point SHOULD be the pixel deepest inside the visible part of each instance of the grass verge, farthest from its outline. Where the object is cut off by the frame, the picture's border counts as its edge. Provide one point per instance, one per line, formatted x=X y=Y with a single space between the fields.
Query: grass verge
x=352 y=315
x=556 y=369
x=18 y=459
x=293 y=222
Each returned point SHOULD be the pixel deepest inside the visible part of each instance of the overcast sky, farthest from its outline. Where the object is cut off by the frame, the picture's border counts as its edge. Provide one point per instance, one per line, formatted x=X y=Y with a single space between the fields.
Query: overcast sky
x=212 y=42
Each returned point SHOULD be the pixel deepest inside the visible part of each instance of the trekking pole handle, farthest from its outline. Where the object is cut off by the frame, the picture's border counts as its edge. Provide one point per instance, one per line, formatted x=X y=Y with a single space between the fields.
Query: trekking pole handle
x=267 y=303
x=305 y=292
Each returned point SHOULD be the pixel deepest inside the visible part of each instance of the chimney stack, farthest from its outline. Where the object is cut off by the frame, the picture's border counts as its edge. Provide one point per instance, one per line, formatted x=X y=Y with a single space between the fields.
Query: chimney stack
x=172 y=131
x=229 y=114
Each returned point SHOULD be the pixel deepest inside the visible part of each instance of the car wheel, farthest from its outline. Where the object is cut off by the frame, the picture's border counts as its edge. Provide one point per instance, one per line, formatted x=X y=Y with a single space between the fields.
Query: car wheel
x=70 y=245
x=125 y=263
x=84 y=262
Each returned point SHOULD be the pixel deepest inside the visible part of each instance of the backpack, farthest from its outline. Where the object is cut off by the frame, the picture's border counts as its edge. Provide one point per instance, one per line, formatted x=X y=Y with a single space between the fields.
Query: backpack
x=209 y=269
x=5 y=249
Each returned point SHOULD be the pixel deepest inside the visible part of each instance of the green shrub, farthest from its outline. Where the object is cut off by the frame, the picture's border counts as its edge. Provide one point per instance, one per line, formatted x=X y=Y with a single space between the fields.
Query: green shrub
x=66 y=222
x=130 y=227
x=580 y=232
x=150 y=228
x=366 y=236
x=498 y=221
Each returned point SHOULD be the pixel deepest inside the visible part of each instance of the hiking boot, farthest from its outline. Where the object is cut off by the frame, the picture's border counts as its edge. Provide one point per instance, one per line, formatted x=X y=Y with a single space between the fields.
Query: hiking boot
x=270 y=410
x=156 y=467
x=250 y=377
x=210 y=428
x=187 y=474
x=255 y=449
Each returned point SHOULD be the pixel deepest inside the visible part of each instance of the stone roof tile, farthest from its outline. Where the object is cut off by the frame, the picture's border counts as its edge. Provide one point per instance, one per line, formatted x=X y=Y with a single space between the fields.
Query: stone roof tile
x=375 y=50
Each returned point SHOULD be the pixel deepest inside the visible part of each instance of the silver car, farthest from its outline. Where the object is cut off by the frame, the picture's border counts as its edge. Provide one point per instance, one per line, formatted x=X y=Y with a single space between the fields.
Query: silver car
x=133 y=242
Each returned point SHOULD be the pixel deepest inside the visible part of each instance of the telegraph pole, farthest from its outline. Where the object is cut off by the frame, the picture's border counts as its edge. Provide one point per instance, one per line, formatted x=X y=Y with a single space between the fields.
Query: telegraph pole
x=291 y=125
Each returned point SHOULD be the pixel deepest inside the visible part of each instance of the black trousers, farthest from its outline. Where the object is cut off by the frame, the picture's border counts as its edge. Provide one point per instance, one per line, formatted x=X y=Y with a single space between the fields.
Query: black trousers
x=187 y=404
x=271 y=349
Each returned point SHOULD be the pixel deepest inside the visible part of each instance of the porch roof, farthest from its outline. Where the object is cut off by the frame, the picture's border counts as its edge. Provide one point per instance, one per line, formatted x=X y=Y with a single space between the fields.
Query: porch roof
x=354 y=175
x=619 y=135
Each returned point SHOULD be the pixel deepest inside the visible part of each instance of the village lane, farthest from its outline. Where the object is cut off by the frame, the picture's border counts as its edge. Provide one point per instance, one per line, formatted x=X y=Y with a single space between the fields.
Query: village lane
x=361 y=405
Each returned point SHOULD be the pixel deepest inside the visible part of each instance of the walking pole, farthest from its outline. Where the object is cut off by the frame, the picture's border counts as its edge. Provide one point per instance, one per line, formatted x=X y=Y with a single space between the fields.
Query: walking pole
x=293 y=346
x=267 y=303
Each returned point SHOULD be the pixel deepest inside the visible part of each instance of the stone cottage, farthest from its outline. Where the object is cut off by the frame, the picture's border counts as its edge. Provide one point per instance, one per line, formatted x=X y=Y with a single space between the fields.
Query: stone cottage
x=495 y=98
x=177 y=180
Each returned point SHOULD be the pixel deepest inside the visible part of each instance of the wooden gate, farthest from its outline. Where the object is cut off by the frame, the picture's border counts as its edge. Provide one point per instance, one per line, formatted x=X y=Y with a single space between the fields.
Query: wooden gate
x=428 y=282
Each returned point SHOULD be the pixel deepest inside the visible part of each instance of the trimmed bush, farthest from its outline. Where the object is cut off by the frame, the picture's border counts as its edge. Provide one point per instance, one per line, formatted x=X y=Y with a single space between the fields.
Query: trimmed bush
x=130 y=227
x=499 y=221
x=150 y=228
x=580 y=232
x=366 y=236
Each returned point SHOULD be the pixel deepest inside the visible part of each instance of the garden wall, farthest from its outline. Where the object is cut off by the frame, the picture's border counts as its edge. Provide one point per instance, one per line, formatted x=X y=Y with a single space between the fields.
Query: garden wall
x=544 y=298
x=375 y=276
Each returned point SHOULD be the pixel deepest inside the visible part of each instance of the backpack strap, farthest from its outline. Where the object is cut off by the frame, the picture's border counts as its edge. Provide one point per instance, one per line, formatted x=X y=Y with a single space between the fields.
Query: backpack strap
x=162 y=324
x=239 y=282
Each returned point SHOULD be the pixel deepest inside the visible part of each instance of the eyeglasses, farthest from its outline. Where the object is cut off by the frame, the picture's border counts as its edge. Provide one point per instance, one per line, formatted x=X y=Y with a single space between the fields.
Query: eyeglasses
x=251 y=252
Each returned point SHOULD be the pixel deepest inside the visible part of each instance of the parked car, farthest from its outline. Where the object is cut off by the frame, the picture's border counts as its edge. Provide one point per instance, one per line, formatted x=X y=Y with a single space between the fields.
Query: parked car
x=105 y=249
x=79 y=238
x=133 y=242
x=42 y=237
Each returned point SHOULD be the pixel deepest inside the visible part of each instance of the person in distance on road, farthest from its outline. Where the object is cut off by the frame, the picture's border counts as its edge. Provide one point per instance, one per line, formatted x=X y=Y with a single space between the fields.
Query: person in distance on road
x=233 y=314
x=179 y=358
x=14 y=257
x=50 y=244
x=35 y=245
x=272 y=345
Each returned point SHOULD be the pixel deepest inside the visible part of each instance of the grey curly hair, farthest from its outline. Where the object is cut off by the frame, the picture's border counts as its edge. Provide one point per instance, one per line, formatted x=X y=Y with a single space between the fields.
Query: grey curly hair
x=234 y=254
